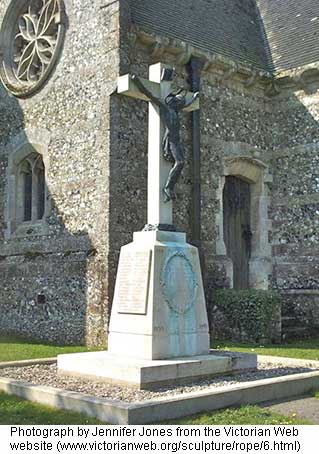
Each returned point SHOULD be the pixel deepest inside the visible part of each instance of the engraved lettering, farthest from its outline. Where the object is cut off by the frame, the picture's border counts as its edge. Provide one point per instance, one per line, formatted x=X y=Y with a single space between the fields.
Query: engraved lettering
x=133 y=282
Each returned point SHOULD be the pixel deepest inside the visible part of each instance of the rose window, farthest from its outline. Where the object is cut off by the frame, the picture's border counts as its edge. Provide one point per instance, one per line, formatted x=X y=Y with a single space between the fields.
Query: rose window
x=31 y=38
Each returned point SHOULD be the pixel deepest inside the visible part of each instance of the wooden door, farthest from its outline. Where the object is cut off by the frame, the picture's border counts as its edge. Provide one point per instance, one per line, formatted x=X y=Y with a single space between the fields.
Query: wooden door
x=237 y=231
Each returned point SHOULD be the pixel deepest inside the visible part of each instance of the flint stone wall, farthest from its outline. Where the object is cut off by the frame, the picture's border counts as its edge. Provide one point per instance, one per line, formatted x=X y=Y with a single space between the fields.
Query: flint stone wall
x=69 y=264
x=281 y=132
x=97 y=178
x=295 y=207
x=234 y=123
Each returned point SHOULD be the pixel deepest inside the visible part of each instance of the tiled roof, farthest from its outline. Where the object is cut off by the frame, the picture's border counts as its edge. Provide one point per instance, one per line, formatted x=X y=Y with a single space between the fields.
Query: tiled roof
x=268 y=34
x=228 y=27
x=292 y=31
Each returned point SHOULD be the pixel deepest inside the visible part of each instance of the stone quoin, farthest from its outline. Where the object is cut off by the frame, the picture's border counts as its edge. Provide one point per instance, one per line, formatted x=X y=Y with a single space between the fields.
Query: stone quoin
x=74 y=157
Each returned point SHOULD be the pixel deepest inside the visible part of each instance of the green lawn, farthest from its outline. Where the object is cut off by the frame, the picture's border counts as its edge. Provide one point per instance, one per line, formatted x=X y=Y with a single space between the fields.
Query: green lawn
x=305 y=349
x=18 y=411
x=13 y=349
x=239 y=416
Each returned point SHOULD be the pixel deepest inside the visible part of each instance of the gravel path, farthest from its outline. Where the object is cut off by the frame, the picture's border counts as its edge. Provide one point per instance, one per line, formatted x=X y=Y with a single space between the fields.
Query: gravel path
x=47 y=376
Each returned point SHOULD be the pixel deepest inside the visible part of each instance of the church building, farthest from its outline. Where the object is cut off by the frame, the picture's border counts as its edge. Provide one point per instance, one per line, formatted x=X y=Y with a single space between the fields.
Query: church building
x=73 y=153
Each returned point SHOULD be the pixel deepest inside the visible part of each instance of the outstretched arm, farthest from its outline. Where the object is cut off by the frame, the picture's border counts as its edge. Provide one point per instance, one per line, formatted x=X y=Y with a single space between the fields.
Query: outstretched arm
x=146 y=92
x=192 y=100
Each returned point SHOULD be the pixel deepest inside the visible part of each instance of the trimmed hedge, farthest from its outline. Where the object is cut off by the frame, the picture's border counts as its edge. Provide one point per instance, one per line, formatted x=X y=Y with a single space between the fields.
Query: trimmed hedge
x=245 y=315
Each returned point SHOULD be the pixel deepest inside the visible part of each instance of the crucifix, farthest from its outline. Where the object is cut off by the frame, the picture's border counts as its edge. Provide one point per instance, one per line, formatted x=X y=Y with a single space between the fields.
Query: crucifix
x=165 y=151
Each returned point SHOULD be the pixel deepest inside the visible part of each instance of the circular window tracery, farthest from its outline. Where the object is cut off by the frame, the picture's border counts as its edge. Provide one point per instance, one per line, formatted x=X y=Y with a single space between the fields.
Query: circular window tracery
x=31 y=38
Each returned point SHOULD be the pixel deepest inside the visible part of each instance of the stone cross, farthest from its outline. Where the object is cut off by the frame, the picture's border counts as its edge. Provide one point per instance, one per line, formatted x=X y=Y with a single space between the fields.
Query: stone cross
x=160 y=214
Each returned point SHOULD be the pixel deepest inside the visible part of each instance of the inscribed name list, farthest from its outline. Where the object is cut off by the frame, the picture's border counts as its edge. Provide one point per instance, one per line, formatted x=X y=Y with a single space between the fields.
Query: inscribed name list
x=133 y=282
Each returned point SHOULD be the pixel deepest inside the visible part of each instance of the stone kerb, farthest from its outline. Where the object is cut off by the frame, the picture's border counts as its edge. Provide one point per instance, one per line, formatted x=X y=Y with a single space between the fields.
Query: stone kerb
x=115 y=412
x=27 y=362
x=109 y=411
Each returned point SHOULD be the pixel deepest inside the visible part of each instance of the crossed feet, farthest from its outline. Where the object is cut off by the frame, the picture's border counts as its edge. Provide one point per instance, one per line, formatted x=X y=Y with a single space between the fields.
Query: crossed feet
x=168 y=195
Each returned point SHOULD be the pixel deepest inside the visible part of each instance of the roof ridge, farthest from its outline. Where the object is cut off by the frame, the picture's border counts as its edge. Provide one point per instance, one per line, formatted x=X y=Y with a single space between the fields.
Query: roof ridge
x=267 y=48
x=269 y=34
x=231 y=26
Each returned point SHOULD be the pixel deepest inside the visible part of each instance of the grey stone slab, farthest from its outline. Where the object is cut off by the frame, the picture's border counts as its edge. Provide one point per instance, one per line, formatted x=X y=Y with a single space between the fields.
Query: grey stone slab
x=27 y=362
x=147 y=374
x=252 y=393
x=110 y=411
x=179 y=406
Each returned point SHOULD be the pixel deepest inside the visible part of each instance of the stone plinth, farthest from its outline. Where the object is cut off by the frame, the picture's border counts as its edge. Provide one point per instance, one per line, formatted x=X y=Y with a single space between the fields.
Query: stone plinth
x=146 y=374
x=159 y=309
x=158 y=329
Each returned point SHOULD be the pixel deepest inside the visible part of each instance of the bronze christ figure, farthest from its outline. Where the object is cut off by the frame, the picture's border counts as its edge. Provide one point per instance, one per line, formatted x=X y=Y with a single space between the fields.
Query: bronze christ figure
x=170 y=108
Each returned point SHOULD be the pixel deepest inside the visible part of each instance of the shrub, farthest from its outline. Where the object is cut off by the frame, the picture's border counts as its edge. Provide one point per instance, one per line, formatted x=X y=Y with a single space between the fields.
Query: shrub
x=245 y=315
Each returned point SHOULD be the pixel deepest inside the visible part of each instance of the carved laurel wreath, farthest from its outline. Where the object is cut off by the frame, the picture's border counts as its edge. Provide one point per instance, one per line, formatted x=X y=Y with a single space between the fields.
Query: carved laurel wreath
x=190 y=280
x=31 y=37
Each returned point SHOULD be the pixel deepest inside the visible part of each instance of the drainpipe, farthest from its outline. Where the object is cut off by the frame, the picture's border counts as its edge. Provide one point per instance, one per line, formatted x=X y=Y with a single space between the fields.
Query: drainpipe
x=194 y=68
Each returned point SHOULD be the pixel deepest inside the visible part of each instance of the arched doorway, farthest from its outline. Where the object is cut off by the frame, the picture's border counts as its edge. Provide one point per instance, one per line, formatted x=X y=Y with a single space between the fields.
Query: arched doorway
x=242 y=246
x=237 y=229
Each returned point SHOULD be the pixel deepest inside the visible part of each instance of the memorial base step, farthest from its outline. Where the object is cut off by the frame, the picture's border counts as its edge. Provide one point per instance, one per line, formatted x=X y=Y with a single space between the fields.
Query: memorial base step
x=152 y=374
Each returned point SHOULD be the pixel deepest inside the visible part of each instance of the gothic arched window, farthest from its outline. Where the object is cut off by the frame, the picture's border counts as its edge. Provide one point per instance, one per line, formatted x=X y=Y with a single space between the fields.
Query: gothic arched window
x=28 y=200
x=26 y=177
x=31 y=189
